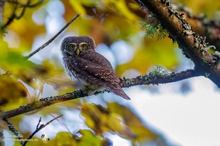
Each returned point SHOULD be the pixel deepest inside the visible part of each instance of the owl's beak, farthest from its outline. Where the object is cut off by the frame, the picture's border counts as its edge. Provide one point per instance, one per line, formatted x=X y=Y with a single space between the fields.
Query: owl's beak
x=77 y=51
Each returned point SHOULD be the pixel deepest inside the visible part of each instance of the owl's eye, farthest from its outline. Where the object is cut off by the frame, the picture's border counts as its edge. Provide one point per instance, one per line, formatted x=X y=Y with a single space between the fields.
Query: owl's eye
x=72 y=46
x=84 y=46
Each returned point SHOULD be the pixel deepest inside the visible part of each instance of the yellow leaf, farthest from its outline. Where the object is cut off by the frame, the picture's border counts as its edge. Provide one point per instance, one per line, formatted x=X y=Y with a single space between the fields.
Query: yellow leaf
x=77 y=6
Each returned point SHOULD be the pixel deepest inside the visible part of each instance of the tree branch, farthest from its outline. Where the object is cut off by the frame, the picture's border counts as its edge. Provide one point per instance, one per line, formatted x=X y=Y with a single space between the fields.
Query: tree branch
x=210 y=28
x=17 y=5
x=151 y=78
x=201 y=24
x=193 y=46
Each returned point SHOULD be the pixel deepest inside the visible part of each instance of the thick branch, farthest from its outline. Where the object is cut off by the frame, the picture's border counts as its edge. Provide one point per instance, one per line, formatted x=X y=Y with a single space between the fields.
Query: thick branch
x=140 y=80
x=192 y=45
x=201 y=24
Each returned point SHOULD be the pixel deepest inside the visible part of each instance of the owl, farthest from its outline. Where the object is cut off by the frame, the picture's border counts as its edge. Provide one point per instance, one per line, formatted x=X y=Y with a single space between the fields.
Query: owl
x=89 y=67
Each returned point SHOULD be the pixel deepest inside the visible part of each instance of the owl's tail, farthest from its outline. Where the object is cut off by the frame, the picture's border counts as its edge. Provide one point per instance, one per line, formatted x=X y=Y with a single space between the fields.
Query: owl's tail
x=124 y=95
x=118 y=91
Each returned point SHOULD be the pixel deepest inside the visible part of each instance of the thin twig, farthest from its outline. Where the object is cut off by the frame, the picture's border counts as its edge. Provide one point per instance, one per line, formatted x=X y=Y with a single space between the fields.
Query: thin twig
x=16 y=6
x=39 y=127
x=29 y=4
x=38 y=123
x=50 y=40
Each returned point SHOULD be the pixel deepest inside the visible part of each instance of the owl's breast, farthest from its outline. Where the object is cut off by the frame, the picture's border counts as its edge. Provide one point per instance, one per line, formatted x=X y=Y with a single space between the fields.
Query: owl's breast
x=71 y=71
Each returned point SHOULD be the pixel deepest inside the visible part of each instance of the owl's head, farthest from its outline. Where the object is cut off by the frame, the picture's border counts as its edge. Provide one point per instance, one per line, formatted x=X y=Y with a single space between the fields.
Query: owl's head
x=76 y=45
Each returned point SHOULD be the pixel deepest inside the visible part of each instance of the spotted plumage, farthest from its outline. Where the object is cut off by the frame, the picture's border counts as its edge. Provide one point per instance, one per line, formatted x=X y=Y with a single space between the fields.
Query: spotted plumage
x=91 y=68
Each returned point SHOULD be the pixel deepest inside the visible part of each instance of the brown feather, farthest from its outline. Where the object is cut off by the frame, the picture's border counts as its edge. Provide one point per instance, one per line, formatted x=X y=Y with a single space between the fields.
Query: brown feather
x=91 y=67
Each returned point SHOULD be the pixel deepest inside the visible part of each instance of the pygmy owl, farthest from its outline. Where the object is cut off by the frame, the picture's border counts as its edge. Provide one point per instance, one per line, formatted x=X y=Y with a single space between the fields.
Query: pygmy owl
x=91 y=68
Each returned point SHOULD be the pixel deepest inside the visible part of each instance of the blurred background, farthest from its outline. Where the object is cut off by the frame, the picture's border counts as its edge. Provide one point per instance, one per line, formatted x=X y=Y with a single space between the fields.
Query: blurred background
x=180 y=113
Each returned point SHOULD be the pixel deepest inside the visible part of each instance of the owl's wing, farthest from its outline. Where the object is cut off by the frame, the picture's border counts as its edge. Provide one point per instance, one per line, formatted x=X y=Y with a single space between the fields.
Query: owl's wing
x=98 y=71
x=96 y=58
x=94 y=68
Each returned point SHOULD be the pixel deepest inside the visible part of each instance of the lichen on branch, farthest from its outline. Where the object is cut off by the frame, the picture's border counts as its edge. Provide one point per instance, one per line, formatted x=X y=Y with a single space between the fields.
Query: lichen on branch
x=192 y=45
